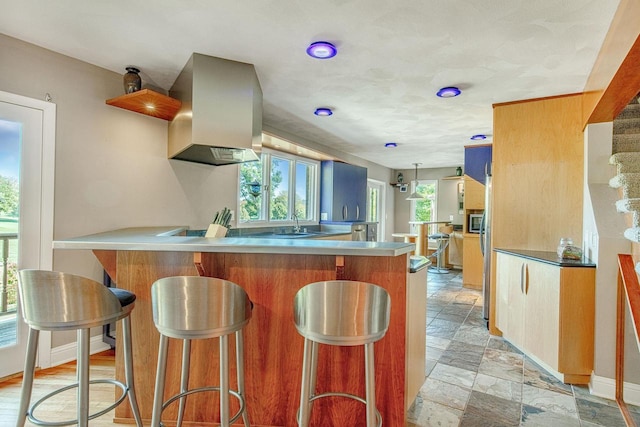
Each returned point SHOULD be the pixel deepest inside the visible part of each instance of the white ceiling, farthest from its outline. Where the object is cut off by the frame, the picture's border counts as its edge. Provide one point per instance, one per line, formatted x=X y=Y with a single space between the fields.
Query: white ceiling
x=393 y=57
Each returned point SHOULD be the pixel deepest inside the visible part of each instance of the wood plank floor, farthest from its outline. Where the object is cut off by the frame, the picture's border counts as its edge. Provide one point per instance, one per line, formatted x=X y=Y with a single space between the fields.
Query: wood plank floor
x=62 y=406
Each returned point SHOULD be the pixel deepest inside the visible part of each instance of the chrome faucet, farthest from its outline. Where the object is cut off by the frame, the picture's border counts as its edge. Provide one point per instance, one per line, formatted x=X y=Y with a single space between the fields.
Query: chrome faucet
x=296 y=228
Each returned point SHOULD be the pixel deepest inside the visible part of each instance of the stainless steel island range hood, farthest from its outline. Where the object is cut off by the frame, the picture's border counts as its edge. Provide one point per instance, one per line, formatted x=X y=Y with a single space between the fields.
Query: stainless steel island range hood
x=220 y=121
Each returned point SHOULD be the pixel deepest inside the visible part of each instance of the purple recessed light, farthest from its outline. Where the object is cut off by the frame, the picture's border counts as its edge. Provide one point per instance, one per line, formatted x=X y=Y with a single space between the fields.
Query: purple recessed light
x=391 y=145
x=448 y=92
x=478 y=137
x=323 y=112
x=322 y=50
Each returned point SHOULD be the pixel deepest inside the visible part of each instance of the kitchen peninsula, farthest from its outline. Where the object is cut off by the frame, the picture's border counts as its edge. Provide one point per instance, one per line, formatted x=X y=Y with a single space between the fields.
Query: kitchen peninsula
x=271 y=271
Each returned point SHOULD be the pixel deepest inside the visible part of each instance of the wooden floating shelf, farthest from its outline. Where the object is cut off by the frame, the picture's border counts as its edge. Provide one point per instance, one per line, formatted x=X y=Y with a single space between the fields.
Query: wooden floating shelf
x=149 y=103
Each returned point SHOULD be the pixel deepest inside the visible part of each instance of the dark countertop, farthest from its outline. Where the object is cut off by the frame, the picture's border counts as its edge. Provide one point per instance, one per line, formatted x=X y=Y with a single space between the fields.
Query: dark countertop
x=547 y=257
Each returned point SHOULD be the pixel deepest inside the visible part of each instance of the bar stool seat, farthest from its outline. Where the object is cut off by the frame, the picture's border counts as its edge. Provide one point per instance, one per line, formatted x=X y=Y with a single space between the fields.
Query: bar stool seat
x=192 y=308
x=340 y=313
x=54 y=301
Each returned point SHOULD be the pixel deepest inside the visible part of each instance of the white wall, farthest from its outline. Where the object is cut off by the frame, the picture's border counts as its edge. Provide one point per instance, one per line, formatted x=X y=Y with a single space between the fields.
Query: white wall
x=602 y=240
x=112 y=169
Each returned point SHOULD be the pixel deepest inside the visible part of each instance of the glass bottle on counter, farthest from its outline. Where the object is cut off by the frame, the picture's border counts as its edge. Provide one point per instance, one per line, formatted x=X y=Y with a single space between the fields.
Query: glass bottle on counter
x=564 y=242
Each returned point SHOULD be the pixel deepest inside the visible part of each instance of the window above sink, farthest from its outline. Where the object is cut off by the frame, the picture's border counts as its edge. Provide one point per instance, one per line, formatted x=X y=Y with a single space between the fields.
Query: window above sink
x=279 y=189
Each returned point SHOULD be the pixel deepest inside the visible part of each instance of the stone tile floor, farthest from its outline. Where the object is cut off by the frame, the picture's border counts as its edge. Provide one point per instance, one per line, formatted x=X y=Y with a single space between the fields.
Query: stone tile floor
x=475 y=379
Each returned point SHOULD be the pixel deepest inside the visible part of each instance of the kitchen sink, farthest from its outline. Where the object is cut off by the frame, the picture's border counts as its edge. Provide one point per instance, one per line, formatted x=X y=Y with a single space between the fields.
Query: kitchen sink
x=290 y=235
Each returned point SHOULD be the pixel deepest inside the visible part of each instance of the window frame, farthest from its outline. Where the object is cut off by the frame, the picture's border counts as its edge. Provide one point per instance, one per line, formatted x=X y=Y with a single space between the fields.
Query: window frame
x=412 y=211
x=266 y=157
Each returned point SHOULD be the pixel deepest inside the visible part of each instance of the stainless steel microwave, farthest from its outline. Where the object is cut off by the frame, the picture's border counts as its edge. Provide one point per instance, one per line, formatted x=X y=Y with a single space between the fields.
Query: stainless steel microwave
x=475 y=222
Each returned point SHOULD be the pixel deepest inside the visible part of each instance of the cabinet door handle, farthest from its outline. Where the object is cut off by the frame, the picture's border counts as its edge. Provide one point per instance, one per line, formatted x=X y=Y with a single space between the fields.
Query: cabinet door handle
x=345 y=212
x=522 y=267
x=357 y=211
x=526 y=280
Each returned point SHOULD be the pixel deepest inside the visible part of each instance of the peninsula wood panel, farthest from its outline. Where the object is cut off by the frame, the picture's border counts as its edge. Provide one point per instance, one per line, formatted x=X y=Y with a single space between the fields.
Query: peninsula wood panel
x=537 y=176
x=273 y=347
x=136 y=272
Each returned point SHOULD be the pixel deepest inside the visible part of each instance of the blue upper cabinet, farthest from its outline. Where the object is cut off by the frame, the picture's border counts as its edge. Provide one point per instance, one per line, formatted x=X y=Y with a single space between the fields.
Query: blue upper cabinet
x=343 y=192
x=477 y=161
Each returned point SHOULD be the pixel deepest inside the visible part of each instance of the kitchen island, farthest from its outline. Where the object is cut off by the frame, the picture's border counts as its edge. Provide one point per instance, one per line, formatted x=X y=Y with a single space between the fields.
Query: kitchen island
x=271 y=271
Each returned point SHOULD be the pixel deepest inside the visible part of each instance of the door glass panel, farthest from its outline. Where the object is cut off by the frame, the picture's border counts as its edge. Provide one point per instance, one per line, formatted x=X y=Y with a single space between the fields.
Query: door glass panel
x=279 y=194
x=373 y=198
x=10 y=142
x=303 y=202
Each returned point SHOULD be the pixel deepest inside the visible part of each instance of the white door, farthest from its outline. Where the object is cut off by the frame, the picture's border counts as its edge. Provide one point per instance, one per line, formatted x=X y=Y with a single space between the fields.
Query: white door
x=27 y=132
x=375 y=205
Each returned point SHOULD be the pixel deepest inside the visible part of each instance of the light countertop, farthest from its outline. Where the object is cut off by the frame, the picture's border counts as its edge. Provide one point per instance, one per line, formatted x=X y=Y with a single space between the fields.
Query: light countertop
x=168 y=239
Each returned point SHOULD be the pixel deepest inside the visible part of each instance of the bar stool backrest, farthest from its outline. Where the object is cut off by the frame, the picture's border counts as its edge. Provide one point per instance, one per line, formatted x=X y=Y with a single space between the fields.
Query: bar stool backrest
x=198 y=307
x=342 y=312
x=53 y=300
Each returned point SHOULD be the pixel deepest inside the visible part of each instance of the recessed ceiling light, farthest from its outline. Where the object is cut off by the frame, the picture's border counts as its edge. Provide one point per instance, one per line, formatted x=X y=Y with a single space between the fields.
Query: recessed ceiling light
x=391 y=145
x=322 y=50
x=448 y=92
x=323 y=112
x=478 y=137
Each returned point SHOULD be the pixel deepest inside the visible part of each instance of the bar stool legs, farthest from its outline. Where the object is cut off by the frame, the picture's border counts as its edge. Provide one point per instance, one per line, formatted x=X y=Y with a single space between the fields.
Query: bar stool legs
x=192 y=307
x=27 y=375
x=224 y=389
x=340 y=313
x=370 y=385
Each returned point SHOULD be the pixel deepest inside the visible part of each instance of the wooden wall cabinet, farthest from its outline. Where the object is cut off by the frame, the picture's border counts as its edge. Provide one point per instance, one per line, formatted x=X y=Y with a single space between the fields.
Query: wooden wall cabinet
x=477 y=162
x=472 y=262
x=548 y=312
x=538 y=169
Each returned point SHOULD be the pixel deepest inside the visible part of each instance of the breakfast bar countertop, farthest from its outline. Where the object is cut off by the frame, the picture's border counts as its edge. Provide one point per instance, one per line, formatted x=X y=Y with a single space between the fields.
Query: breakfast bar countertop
x=170 y=239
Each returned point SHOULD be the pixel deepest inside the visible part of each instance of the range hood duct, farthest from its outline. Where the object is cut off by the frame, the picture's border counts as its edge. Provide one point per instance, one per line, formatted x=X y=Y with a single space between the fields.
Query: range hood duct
x=220 y=121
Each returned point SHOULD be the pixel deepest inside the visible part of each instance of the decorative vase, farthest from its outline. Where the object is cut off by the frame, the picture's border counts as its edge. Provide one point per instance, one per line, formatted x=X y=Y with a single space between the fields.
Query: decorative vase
x=458 y=171
x=132 y=80
x=400 y=178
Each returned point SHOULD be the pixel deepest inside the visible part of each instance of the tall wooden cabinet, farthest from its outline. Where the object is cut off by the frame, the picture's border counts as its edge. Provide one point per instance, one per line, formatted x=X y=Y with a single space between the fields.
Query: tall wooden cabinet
x=477 y=161
x=538 y=158
x=546 y=308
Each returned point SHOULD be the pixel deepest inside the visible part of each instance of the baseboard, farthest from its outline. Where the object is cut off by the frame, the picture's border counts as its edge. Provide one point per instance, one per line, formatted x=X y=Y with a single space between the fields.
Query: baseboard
x=68 y=352
x=606 y=387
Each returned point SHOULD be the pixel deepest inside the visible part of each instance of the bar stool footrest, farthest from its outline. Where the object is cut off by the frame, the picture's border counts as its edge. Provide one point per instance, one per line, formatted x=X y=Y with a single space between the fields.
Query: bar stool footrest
x=341 y=394
x=39 y=422
x=204 y=389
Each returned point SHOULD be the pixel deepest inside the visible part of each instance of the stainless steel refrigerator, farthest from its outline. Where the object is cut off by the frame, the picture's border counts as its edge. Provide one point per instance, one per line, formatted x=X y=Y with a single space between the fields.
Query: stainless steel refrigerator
x=485 y=247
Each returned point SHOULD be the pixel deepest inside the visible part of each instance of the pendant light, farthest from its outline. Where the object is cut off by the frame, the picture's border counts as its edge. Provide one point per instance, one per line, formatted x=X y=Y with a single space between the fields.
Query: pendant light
x=415 y=195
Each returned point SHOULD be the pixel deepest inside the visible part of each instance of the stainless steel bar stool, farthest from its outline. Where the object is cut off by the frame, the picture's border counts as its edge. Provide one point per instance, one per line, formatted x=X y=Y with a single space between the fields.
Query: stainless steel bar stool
x=54 y=301
x=192 y=307
x=442 y=240
x=340 y=313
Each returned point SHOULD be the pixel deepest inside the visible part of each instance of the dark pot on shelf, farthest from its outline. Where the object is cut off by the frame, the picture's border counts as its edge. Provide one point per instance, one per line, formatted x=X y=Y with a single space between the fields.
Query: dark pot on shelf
x=132 y=80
